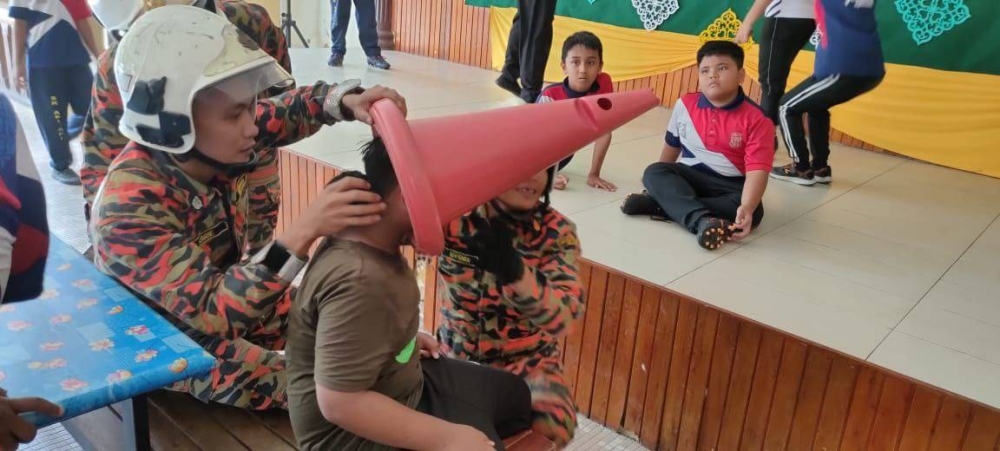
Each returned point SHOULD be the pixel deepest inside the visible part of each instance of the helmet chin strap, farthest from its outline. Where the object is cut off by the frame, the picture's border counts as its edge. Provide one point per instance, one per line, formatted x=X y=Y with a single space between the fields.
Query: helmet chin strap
x=547 y=197
x=231 y=170
x=206 y=4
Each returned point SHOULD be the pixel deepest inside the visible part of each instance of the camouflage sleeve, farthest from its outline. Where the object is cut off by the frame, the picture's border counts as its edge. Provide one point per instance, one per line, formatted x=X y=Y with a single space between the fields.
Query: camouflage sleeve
x=264 y=189
x=148 y=250
x=292 y=116
x=254 y=21
x=101 y=140
x=556 y=299
x=277 y=46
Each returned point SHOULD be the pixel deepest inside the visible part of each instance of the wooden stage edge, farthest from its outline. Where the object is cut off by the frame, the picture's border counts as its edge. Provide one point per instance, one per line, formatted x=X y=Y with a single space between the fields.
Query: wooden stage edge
x=677 y=373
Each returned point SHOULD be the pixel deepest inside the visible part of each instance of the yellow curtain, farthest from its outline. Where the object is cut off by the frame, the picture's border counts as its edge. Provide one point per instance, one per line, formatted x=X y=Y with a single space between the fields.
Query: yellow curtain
x=628 y=53
x=947 y=118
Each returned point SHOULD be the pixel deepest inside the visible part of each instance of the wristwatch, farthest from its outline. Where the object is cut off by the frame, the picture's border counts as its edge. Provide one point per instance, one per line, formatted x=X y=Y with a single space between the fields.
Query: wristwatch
x=279 y=260
x=334 y=103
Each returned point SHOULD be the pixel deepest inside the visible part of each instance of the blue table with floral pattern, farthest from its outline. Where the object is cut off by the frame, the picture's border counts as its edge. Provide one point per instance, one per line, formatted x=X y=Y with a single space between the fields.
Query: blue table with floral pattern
x=87 y=342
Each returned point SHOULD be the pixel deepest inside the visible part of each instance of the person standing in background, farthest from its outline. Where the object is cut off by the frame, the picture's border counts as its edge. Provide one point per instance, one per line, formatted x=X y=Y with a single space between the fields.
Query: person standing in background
x=849 y=63
x=367 y=32
x=528 y=49
x=787 y=28
x=53 y=44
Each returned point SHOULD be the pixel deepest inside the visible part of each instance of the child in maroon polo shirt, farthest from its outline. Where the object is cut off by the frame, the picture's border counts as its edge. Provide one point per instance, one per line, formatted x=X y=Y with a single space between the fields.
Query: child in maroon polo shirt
x=582 y=62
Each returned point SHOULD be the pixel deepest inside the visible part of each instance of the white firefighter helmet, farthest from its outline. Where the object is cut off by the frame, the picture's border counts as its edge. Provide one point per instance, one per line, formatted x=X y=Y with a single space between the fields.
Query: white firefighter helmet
x=171 y=55
x=118 y=15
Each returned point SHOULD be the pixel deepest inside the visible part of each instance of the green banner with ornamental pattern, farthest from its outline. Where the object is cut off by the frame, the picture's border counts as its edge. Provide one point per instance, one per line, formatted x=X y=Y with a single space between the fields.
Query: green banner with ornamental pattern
x=953 y=35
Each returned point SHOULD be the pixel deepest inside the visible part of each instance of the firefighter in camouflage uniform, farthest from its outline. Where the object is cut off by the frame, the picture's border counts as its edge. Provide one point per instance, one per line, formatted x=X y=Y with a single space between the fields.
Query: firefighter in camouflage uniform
x=170 y=221
x=101 y=140
x=509 y=289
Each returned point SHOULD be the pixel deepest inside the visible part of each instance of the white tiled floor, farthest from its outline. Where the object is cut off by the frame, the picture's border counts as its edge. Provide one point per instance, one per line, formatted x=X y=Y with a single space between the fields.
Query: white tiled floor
x=896 y=261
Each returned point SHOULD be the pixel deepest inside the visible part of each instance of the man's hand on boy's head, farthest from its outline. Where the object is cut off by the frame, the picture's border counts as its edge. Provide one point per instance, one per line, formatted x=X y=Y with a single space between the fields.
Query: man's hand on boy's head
x=428 y=345
x=348 y=202
x=360 y=104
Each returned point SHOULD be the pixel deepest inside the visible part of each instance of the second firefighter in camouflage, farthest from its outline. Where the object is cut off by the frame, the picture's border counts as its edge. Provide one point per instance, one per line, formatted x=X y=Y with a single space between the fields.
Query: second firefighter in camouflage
x=509 y=290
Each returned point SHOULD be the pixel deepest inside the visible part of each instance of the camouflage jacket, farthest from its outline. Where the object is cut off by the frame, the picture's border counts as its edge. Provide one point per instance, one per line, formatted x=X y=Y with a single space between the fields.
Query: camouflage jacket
x=102 y=142
x=486 y=322
x=182 y=244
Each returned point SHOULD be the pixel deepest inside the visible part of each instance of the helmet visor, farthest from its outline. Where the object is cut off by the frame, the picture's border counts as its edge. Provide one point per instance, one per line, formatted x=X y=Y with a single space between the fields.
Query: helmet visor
x=249 y=85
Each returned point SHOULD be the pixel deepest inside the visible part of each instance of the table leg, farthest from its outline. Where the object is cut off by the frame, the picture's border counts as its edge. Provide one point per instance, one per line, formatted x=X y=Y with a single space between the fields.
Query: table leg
x=123 y=426
x=135 y=424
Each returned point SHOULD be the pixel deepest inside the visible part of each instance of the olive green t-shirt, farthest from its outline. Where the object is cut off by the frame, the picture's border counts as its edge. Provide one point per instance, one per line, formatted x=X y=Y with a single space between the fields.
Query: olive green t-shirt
x=352 y=328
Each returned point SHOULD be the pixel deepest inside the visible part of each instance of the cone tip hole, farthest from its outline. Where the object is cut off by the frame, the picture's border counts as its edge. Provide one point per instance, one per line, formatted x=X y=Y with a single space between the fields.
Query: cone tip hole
x=604 y=103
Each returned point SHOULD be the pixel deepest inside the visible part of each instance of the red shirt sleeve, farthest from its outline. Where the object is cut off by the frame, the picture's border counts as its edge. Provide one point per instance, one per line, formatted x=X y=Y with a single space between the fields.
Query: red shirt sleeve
x=604 y=84
x=78 y=9
x=760 y=145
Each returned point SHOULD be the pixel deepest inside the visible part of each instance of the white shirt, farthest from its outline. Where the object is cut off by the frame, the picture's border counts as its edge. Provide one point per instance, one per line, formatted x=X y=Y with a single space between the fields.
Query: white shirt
x=790 y=9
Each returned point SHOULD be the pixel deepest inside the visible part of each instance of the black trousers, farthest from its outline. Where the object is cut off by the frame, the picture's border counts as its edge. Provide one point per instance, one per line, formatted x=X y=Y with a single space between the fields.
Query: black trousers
x=53 y=90
x=687 y=194
x=529 y=44
x=780 y=44
x=495 y=402
x=815 y=97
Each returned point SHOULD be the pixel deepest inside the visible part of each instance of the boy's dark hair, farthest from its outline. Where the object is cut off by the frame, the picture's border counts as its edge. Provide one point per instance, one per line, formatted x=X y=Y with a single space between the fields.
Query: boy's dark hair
x=587 y=40
x=722 y=48
x=378 y=168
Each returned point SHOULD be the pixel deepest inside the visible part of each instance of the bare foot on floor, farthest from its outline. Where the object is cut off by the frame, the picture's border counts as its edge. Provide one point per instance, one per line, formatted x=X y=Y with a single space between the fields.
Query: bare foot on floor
x=560 y=182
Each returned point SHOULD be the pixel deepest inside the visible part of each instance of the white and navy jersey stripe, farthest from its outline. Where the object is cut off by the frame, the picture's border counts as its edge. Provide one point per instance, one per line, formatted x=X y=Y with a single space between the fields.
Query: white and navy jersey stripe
x=790 y=9
x=728 y=141
x=53 y=40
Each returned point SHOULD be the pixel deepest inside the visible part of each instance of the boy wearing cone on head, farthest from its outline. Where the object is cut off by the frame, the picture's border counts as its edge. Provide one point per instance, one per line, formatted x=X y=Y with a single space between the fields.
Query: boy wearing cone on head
x=172 y=220
x=361 y=375
x=354 y=324
x=510 y=289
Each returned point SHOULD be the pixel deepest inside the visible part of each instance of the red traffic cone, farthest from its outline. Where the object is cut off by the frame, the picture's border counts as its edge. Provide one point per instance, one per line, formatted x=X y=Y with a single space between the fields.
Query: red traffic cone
x=448 y=165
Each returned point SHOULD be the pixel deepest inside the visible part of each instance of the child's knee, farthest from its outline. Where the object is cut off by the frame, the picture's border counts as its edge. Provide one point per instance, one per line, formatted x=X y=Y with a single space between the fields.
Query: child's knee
x=655 y=171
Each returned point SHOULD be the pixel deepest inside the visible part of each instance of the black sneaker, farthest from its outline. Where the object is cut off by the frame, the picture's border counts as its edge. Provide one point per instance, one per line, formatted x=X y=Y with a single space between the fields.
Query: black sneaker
x=378 y=62
x=642 y=204
x=336 y=60
x=788 y=173
x=66 y=176
x=509 y=85
x=823 y=175
x=714 y=232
